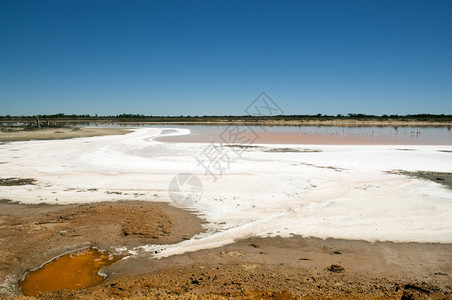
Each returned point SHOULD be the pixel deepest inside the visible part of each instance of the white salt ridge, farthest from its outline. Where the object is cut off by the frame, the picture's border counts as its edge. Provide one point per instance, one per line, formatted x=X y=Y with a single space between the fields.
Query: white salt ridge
x=341 y=192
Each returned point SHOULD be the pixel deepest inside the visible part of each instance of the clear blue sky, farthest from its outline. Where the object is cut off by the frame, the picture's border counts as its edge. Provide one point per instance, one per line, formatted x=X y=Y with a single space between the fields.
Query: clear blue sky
x=214 y=57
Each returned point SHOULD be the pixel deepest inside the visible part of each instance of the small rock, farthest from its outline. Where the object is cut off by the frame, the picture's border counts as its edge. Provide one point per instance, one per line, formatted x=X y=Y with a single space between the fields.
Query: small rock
x=336 y=269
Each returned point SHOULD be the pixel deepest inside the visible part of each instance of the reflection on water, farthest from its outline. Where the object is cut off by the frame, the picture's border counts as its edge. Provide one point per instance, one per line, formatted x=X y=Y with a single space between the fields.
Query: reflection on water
x=75 y=270
x=441 y=135
x=334 y=134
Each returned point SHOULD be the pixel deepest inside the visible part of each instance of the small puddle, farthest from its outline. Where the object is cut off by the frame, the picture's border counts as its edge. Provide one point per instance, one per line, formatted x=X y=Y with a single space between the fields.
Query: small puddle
x=73 y=271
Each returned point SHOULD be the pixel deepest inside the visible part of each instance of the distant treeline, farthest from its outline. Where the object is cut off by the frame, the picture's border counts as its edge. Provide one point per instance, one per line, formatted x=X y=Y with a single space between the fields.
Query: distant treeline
x=144 y=118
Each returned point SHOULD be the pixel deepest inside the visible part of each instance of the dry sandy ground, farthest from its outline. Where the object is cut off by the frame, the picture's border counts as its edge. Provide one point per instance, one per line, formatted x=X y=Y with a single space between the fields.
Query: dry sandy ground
x=255 y=268
x=30 y=235
x=8 y=134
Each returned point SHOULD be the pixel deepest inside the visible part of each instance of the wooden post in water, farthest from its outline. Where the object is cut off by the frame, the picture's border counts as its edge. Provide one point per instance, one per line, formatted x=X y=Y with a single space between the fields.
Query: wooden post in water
x=37 y=122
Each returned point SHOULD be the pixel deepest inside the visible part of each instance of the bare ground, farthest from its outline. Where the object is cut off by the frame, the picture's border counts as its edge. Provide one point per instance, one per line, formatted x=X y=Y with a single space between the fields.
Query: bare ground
x=255 y=268
x=30 y=235
x=11 y=134
x=438 y=177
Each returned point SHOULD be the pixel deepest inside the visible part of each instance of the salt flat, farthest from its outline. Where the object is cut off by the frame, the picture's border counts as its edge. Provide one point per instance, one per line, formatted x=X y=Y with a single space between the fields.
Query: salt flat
x=324 y=191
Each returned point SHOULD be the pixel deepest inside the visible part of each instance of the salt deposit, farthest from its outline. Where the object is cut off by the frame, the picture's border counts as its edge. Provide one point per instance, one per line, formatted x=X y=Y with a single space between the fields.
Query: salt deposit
x=324 y=191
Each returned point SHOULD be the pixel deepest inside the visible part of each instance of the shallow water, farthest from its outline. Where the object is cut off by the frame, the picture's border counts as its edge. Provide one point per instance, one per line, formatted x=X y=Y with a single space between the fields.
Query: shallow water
x=326 y=135
x=75 y=270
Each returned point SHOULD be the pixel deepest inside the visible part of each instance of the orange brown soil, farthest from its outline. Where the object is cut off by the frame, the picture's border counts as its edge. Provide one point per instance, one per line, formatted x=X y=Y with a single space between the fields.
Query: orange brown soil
x=254 y=268
x=31 y=235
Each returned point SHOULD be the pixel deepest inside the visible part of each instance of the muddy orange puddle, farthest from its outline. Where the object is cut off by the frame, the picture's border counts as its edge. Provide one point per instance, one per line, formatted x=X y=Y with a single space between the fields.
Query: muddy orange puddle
x=71 y=271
